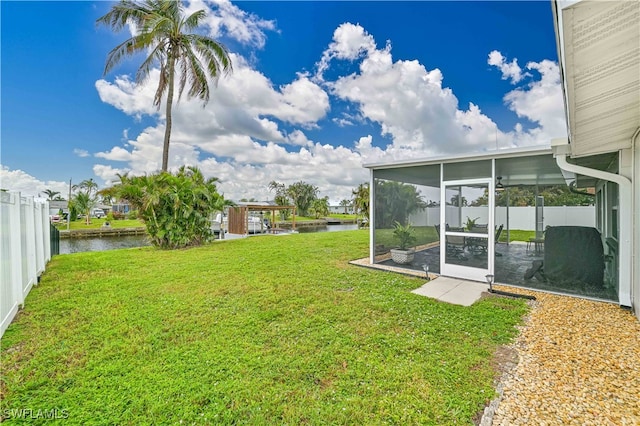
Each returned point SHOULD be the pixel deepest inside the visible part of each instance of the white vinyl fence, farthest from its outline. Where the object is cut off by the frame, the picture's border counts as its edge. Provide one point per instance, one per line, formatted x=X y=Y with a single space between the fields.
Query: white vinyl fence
x=25 y=249
x=519 y=217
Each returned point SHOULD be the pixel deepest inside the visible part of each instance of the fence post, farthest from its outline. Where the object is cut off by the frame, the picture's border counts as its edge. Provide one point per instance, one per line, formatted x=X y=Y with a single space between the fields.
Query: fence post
x=38 y=233
x=46 y=228
x=54 y=240
x=30 y=241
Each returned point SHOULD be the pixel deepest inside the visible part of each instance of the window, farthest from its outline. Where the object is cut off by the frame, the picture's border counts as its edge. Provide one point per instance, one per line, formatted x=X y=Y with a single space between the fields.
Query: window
x=600 y=210
x=612 y=196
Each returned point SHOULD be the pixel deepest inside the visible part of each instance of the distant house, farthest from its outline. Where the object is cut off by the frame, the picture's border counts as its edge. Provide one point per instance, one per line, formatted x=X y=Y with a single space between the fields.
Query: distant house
x=599 y=51
x=56 y=206
x=123 y=208
x=335 y=209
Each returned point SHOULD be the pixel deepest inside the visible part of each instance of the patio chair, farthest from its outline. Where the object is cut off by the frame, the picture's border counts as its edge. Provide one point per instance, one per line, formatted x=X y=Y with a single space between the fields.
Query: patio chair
x=498 y=233
x=479 y=245
x=456 y=244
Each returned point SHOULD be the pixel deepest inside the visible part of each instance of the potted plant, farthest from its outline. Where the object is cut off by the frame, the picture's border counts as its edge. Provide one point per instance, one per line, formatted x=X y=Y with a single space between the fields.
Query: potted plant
x=404 y=234
x=471 y=223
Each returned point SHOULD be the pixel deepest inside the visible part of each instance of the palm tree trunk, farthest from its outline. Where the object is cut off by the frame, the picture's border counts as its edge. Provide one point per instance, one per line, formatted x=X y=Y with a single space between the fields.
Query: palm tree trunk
x=167 y=130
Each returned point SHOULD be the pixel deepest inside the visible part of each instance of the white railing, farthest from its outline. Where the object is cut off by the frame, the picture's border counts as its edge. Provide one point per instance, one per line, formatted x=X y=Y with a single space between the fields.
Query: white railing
x=25 y=249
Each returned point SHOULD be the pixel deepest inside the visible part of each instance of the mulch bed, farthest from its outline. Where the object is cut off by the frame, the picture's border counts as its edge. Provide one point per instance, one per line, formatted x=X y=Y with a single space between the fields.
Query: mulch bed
x=578 y=362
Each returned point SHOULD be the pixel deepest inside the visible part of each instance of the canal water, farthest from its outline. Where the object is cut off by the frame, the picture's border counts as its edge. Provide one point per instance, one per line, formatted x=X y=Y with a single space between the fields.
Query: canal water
x=77 y=245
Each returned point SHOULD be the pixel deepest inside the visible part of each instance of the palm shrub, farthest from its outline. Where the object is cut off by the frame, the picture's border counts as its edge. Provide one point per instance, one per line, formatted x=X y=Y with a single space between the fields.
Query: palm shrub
x=404 y=234
x=174 y=207
x=84 y=203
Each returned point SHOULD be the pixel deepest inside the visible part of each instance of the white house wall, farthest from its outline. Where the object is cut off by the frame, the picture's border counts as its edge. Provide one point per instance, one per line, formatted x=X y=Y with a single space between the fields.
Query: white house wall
x=635 y=255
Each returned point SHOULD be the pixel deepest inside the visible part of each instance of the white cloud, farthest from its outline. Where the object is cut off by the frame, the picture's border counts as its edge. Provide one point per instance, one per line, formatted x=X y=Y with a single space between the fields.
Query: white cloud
x=116 y=154
x=18 y=180
x=405 y=99
x=226 y=19
x=82 y=153
x=297 y=137
x=108 y=174
x=421 y=116
x=128 y=97
x=252 y=132
x=510 y=70
x=541 y=101
x=349 y=43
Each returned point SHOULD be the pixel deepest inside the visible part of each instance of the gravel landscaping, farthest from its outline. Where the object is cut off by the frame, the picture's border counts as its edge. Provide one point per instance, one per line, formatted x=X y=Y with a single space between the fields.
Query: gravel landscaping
x=578 y=362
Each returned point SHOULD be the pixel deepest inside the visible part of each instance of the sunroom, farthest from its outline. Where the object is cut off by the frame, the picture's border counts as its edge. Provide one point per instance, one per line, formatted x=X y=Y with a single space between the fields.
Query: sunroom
x=572 y=251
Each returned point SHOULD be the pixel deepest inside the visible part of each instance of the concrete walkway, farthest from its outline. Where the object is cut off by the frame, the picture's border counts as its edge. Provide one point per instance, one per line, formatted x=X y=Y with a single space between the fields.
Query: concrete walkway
x=453 y=290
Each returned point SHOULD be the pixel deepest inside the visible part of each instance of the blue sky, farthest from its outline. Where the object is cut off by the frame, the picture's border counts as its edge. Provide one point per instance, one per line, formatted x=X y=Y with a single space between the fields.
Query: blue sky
x=318 y=89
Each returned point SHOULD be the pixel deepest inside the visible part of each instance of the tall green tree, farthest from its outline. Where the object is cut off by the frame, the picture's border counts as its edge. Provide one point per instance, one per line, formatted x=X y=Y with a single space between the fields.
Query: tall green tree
x=281 y=198
x=395 y=201
x=522 y=196
x=361 y=200
x=303 y=194
x=166 y=34
x=280 y=189
x=50 y=194
x=320 y=207
x=345 y=204
x=85 y=202
x=89 y=186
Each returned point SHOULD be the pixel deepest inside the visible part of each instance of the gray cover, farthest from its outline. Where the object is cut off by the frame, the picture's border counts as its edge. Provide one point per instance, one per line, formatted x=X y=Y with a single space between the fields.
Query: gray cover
x=574 y=257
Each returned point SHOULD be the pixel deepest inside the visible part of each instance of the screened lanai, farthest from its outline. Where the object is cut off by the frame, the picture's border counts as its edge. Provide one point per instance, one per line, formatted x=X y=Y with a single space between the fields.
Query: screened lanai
x=477 y=192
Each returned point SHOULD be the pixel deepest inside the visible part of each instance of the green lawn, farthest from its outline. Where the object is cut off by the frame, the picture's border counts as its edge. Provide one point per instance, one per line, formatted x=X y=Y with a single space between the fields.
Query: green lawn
x=424 y=235
x=517 y=235
x=265 y=330
x=344 y=216
x=313 y=218
x=97 y=223
x=427 y=234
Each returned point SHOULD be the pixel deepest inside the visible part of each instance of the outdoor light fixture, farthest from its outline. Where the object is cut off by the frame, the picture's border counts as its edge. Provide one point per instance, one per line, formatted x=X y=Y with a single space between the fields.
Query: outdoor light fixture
x=499 y=185
x=489 y=278
x=426 y=271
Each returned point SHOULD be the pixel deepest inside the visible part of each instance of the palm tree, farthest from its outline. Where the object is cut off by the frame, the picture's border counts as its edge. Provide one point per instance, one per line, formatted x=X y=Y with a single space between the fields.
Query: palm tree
x=165 y=32
x=361 y=200
x=50 y=194
x=85 y=203
x=345 y=204
x=88 y=185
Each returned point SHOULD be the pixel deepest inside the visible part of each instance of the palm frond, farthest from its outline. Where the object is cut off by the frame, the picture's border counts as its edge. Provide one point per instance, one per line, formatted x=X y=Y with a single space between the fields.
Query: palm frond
x=156 y=55
x=164 y=29
x=123 y=13
x=193 y=20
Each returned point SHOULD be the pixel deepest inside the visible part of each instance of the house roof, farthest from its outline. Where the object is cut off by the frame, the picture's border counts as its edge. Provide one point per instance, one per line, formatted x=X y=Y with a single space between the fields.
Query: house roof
x=599 y=49
x=520 y=166
x=460 y=158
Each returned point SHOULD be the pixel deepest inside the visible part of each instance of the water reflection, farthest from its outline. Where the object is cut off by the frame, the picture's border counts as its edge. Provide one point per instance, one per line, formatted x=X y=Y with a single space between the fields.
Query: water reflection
x=327 y=228
x=77 y=245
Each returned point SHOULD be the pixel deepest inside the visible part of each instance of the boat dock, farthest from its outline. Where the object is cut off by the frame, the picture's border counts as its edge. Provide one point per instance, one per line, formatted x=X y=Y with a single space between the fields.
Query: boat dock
x=102 y=232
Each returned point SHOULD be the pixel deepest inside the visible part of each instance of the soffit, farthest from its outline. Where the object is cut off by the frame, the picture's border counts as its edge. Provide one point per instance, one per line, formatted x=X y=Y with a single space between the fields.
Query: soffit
x=601 y=63
x=516 y=170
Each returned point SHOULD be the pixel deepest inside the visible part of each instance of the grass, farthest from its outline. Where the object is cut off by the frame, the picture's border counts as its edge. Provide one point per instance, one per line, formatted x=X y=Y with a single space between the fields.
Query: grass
x=517 y=235
x=265 y=330
x=424 y=235
x=97 y=223
x=313 y=218
x=428 y=234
